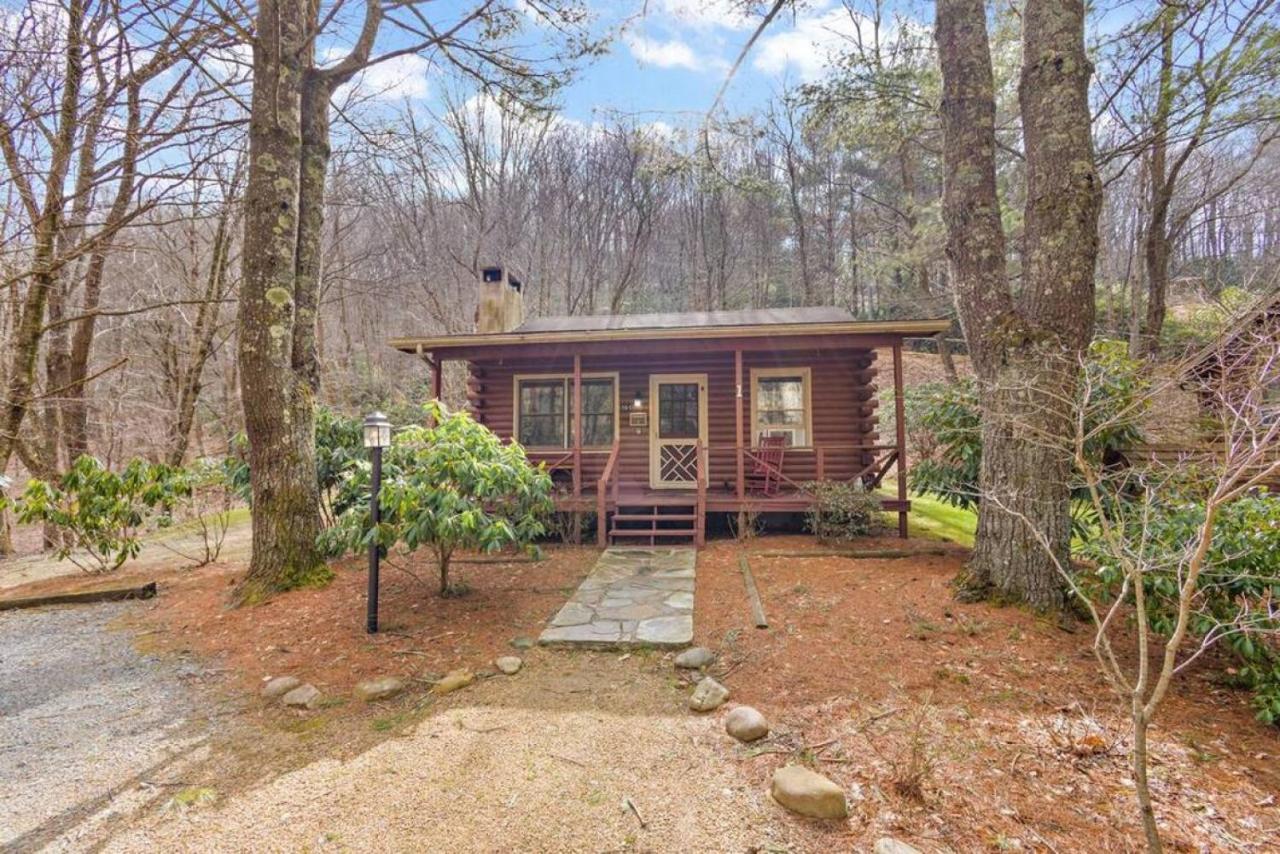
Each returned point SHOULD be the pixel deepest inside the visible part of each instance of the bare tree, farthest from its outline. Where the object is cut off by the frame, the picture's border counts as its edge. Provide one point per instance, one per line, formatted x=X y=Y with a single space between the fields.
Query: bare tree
x=1188 y=78
x=87 y=108
x=1243 y=453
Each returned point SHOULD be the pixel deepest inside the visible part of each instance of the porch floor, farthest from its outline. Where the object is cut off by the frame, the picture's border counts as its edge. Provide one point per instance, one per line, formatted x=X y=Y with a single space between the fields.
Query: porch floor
x=632 y=596
x=720 y=498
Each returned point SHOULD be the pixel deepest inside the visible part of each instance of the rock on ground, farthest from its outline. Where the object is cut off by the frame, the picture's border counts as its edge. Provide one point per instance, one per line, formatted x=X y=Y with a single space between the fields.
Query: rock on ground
x=889 y=845
x=304 y=696
x=709 y=695
x=509 y=664
x=746 y=724
x=808 y=793
x=695 y=658
x=522 y=642
x=383 y=688
x=280 y=686
x=453 y=680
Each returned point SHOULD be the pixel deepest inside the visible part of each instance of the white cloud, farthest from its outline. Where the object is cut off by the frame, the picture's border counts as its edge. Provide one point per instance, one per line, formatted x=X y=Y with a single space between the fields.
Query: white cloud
x=402 y=78
x=665 y=54
x=705 y=14
x=807 y=46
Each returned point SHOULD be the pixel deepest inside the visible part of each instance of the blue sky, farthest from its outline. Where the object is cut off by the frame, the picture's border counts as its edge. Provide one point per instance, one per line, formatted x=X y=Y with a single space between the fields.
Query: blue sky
x=672 y=55
x=668 y=59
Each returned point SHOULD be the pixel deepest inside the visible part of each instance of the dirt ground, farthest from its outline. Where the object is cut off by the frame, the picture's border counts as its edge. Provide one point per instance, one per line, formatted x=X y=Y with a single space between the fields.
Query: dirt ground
x=954 y=727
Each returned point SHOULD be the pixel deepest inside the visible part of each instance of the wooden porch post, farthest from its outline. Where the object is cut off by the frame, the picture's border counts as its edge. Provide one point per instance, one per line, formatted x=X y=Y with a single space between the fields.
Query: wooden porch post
x=900 y=424
x=738 y=442
x=437 y=379
x=436 y=367
x=577 y=445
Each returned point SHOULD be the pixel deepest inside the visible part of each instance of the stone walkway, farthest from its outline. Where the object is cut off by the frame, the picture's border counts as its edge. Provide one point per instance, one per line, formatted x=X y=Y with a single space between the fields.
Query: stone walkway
x=632 y=596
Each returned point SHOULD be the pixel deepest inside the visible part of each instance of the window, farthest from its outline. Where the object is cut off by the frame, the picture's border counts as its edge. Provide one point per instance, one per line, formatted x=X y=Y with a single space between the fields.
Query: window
x=544 y=411
x=542 y=414
x=598 y=411
x=677 y=410
x=780 y=404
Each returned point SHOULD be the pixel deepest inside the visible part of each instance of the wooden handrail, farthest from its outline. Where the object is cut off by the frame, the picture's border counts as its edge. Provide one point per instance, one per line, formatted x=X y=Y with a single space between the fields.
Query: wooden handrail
x=700 y=529
x=602 y=509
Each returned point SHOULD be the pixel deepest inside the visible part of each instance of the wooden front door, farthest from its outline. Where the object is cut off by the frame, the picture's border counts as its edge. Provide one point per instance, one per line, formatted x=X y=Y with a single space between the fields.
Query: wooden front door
x=679 y=422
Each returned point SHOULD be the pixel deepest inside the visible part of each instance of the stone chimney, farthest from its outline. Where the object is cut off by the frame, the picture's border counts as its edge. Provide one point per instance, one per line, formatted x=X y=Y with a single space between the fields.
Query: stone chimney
x=501 y=307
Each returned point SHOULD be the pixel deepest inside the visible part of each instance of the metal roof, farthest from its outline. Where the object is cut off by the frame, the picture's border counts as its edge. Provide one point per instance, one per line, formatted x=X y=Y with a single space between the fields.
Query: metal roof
x=686 y=319
x=754 y=323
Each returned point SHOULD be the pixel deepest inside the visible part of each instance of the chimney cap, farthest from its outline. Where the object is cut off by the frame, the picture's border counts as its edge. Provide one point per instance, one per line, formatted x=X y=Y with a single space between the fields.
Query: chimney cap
x=497 y=273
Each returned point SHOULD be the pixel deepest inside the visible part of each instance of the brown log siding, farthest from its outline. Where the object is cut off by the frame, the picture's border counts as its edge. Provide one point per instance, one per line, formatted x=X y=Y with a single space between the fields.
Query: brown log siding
x=843 y=396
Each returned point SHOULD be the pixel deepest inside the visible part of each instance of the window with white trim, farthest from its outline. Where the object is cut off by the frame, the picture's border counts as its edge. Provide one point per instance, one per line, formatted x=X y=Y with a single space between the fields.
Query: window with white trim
x=780 y=405
x=544 y=411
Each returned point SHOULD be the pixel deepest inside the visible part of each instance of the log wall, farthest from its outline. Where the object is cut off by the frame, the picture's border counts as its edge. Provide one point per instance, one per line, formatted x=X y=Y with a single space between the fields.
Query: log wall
x=843 y=397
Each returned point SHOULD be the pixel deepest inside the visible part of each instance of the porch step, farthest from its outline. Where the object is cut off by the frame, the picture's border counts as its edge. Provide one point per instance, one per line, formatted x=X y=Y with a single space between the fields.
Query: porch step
x=655 y=517
x=652 y=532
x=652 y=519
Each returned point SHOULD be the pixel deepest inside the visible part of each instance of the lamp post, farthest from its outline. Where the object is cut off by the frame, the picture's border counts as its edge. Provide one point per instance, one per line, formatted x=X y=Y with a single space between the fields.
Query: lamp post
x=377 y=435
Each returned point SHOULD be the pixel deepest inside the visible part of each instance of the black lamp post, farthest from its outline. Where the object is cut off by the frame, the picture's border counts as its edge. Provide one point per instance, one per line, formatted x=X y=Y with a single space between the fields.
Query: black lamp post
x=377 y=435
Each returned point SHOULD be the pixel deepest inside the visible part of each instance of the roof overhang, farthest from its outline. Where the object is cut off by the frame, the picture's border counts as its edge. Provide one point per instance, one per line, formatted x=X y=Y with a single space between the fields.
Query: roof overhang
x=879 y=328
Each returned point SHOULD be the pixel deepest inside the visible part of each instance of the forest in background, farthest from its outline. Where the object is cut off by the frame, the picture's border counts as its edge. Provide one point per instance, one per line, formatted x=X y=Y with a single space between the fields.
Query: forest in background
x=828 y=194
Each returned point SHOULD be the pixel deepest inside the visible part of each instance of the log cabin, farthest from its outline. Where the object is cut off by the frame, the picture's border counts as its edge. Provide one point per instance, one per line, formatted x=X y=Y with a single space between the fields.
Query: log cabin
x=655 y=421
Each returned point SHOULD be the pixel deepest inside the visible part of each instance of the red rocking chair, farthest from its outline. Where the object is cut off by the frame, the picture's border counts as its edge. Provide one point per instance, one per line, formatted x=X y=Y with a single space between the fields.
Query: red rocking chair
x=766 y=471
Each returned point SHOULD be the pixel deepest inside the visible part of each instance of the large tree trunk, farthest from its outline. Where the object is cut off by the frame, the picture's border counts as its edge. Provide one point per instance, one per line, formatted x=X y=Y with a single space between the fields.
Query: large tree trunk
x=278 y=401
x=1025 y=354
x=279 y=292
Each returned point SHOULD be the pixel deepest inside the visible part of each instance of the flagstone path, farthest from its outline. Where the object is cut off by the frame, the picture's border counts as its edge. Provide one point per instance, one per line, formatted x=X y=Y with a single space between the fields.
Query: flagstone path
x=632 y=596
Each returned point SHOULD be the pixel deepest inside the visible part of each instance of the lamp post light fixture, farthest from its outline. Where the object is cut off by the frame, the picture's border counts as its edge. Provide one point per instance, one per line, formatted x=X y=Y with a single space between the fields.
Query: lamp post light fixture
x=377 y=435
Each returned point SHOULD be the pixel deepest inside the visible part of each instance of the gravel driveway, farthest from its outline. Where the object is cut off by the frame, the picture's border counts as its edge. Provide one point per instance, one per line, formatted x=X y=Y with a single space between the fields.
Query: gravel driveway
x=88 y=725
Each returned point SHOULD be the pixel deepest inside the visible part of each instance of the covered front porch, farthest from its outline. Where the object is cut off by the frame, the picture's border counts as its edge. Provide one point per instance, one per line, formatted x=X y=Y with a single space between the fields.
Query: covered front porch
x=656 y=436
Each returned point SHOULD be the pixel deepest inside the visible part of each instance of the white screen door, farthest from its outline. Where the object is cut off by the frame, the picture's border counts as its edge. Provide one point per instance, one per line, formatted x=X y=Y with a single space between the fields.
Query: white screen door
x=679 y=422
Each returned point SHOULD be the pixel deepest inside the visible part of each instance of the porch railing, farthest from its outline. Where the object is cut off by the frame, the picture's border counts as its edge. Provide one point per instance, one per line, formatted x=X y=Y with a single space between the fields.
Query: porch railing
x=602 y=489
x=871 y=475
x=700 y=511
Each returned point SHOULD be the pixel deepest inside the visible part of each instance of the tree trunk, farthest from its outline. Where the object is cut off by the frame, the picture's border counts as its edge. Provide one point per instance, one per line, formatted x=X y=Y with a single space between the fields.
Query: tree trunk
x=1025 y=355
x=189 y=384
x=278 y=400
x=1142 y=787
x=25 y=347
x=1023 y=485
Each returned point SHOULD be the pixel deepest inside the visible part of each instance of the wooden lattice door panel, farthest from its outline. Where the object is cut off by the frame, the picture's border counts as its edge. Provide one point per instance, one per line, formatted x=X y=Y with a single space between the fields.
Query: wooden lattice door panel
x=678 y=463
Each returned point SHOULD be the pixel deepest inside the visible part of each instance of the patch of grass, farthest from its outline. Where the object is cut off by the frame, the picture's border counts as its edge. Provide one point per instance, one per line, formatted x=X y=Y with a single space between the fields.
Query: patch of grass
x=932 y=519
x=304 y=726
x=388 y=723
x=946 y=674
x=194 y=796
x=235 y=517
x=919 y=626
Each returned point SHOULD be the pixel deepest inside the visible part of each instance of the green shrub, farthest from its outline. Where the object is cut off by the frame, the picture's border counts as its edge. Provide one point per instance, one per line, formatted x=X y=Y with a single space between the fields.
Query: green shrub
x=453 y=485
x=100 y=513
x=339 y=449
x=841 y=510
x=1237 y=589
x=948 y=423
